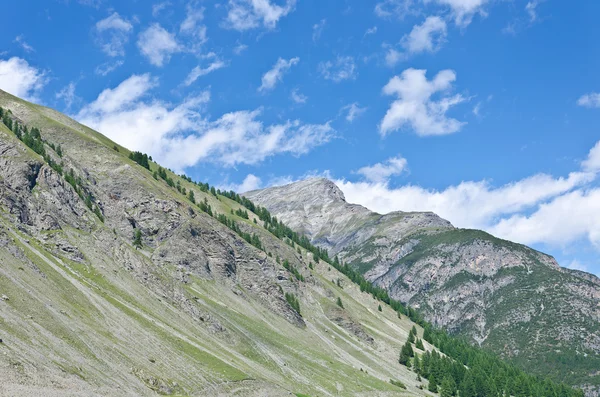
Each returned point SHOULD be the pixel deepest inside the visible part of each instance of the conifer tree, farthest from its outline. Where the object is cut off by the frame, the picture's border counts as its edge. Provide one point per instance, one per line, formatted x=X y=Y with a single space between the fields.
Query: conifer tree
x=433 y=387
x=137 y=239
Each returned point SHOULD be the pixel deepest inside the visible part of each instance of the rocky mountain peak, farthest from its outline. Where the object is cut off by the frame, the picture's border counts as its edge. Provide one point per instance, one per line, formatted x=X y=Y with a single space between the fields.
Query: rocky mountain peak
x=312 y=191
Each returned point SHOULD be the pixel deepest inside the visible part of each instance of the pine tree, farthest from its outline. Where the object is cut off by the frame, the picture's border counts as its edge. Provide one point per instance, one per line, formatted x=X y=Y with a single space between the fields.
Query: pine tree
x=137 y=239
x=432 y=384
x=339 y=302
x=417 y=364
x=448 y=387
x=379 y=308
x=411 y=337
x=419 y=344
x=191 y=196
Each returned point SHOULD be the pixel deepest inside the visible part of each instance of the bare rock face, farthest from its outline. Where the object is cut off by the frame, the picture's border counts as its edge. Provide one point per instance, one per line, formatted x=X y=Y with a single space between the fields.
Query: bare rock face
x=504 y=296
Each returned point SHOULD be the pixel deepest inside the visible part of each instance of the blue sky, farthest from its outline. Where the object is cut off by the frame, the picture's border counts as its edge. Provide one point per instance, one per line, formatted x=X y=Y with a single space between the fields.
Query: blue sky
x=484 y=111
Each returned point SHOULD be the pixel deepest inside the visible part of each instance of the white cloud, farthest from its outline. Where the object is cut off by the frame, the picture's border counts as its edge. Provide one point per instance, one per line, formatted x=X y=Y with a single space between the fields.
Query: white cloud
x=180 y=136
x=592 y=163
x=198 y=71
x=415 y=107
x=399 y=8
x=353 y=111
x=562 y=221
x=158 y=8
x=473 y=204
x=427 y=37
x=371 y=31
x=194 y=15
x=343 y=68
x=17 y=77
x=318 y=29
x=112 y=33
x=251 y=182
x=298 y=97
x=381 y=172
x=108 y=67
x=191 y=25
x=21 y=41
x=238 y=49
x=393 y=57
x=463 y=10
x=250 y=14
x=591 y=100
x=156 y=44
x=275 y=75
x=531 y=8
x=67 y=94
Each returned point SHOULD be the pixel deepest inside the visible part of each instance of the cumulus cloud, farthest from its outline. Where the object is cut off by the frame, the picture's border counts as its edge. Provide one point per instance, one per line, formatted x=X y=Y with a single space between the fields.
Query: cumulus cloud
x=157 y=44
x=427 y=37
x=591 y=100
x=250 y=14
x=354 y=110
x=381 y=172
x=112 y=33
x=275 y=75
x=180 y=135
x=17 y=77
x=415 y=107
x=343 y=68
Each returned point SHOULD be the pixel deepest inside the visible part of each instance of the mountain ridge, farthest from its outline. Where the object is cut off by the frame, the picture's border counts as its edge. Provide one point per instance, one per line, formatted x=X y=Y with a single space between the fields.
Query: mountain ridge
x=466 y=281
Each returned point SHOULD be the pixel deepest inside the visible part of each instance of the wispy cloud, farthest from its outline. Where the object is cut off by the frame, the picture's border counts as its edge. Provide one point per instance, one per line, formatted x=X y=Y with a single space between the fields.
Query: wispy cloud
x=275 y=75
x=343 y=68
x=20 y=39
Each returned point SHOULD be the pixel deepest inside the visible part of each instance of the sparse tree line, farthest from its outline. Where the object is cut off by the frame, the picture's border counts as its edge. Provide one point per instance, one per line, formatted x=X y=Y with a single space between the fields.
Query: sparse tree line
x=32 y=138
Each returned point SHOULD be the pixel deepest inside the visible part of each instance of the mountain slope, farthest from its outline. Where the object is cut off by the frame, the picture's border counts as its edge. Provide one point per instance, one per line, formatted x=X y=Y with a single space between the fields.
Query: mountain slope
x=504 y=296
x=198 y=309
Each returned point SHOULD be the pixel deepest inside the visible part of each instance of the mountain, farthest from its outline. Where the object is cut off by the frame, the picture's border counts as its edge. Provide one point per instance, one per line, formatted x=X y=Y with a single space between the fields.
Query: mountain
x=500 y=295
x=116 y=281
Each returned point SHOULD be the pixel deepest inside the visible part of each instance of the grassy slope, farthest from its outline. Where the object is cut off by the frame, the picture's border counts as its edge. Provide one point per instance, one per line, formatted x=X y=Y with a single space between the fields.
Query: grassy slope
x=72 y=328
